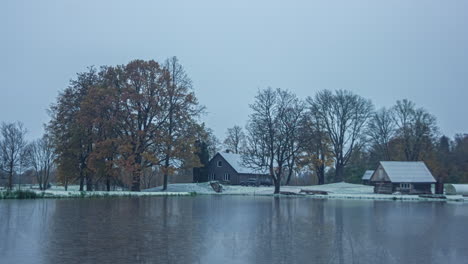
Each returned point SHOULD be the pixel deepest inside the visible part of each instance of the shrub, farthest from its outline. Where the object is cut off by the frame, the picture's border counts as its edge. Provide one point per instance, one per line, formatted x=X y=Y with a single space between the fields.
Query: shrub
x=19 y=194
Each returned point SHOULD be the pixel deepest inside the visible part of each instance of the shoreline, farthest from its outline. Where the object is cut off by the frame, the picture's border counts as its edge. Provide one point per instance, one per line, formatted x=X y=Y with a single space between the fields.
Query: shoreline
x=36 y=194
x=59 y=194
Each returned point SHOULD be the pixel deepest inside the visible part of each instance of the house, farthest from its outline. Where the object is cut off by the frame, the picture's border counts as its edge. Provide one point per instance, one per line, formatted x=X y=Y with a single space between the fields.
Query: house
x=366 y=177
x=228 y=167
x=410 y=177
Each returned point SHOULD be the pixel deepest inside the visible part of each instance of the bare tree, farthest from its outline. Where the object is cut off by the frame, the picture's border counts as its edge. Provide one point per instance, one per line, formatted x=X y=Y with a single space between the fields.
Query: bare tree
x=344 y=115
x=150 y=177
x=41 y=156
x=273 y=133
x=292 y=125
x=416 y=127
x=381 y=129
x=235 y=139
x=12 y=145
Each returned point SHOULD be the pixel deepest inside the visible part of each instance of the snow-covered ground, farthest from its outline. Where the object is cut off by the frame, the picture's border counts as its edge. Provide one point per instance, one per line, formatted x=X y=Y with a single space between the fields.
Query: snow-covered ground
x=205 y=188
x=78 y=194
x=340 y=190
x=73 y=192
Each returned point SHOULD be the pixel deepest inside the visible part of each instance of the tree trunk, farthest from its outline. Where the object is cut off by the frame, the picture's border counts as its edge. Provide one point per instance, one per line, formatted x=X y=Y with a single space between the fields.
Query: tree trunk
x=42 y=184
x=45 y=181
x=339 y=172
x=10 y=180
x=439 y=186
x=10 y=176
x=166 y=167
x=81 y=180
x=82 y=175
x=165 y=182
x=290 y=172
x=277 y=187
x=136 y=180
x=108 y=183
x=39 y=181
x=89 y=182
x=277 y=184
x=321 y=175
x=288 y=179
x=136 y=175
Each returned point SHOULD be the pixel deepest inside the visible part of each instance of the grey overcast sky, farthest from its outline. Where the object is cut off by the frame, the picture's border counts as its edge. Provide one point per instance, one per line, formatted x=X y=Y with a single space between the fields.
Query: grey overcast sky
x=383 y=50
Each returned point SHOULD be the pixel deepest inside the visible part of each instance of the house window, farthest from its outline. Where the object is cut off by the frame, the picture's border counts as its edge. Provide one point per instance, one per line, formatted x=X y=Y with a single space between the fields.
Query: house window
x=227 y=177
x=405 y=186
x=220 y=163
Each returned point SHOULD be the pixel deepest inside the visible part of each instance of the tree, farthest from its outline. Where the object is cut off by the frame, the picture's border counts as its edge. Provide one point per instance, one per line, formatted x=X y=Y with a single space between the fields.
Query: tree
x=41 y=157
x=317 y=153
x=381 y=129
x=416 y=129
x=72 y=139
x=460 y=158
x=143 y=112
x=206 y=135
x=273 y=133
x=235 y=139
x=177 y=138
x=206 y=146
x=100 y=112
x=12 y=145
x=125 y=118
x=344 y=116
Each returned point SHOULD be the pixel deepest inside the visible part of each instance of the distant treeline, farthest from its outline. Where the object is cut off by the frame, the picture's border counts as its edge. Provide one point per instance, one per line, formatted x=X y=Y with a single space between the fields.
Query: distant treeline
x=338 y=135
x=124 y=125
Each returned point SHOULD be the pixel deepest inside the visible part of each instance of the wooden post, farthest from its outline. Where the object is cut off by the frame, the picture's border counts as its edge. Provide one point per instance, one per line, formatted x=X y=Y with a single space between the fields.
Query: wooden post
x=439 y=187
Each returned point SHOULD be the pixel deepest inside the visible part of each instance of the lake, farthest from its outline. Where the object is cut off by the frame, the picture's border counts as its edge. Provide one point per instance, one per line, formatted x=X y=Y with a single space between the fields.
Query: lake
x=231 y=229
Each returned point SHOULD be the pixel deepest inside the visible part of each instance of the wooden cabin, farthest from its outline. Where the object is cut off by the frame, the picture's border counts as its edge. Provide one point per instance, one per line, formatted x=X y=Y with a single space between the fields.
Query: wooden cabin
x=366 y=177
x=407 y=177
x=228 y=168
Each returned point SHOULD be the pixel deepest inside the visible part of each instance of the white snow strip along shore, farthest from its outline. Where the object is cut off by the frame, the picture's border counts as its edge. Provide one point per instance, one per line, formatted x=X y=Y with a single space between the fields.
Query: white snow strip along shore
x=340 y=190
x=78 y=194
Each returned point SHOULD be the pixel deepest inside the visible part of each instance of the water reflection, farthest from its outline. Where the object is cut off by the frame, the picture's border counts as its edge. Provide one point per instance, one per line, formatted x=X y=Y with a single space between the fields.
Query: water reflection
x=231 y=229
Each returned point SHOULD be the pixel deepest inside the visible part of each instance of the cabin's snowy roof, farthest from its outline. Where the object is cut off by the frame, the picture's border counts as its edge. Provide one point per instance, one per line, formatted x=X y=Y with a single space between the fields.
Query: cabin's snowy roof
x=367 y=174
x=407 y=171
x=235 y=160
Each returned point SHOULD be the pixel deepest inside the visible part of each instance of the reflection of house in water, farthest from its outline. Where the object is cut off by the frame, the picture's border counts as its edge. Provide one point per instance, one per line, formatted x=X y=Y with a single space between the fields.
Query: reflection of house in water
x=366 y=177
x=411 y=177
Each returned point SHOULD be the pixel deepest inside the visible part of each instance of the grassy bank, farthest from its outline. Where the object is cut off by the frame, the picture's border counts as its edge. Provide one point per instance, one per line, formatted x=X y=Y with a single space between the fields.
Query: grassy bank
x=20 y=194
x=32 y=194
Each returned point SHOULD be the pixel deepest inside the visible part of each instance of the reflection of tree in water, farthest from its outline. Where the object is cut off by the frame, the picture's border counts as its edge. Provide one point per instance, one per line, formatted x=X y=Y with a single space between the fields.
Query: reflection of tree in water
x=297 y=231
x=417 y=232
x=127 y=230
x=23 y=225
x=240 y=229
x=355 y=240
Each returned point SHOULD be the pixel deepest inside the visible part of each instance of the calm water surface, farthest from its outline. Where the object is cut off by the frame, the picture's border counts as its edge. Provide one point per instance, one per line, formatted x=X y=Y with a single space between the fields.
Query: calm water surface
x=231 y=229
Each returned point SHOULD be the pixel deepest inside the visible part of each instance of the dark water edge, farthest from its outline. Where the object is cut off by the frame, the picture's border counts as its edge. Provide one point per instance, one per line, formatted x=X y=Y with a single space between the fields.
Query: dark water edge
x=231 y=229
